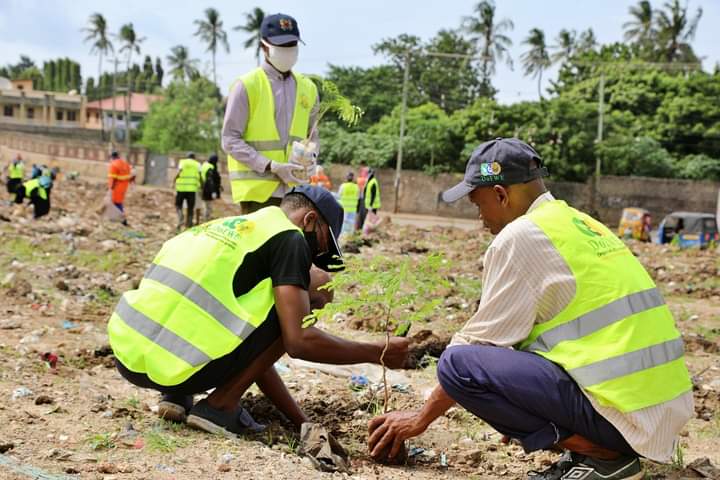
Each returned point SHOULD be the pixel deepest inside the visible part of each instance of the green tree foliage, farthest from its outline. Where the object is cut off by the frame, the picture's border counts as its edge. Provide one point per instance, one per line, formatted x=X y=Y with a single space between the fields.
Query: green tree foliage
x=184 y=119
x=182 y=66
x=641 y=156
x=13 y=71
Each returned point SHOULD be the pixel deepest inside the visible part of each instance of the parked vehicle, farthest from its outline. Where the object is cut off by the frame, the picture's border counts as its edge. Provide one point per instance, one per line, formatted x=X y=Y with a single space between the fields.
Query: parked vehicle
x=689 y=229
x=635 y=223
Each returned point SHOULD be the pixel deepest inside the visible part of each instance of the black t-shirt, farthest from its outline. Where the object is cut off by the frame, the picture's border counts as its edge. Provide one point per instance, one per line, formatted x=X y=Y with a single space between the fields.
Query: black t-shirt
x=285 y=258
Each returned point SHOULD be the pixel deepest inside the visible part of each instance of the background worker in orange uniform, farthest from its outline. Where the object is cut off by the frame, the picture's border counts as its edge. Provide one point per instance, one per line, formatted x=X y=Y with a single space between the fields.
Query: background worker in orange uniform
x=320 y=179
x=119 y=177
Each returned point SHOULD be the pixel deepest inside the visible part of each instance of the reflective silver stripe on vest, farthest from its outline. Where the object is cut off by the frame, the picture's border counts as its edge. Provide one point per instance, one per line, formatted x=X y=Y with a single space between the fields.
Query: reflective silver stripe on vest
x=160 y=335
x=267 y=145
x=201 y=297
x=597 y=319
x=628 y=363
x=252 y=175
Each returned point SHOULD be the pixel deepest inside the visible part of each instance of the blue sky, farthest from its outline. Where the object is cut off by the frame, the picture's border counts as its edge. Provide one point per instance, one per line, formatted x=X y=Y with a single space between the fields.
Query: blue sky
x=337 y=32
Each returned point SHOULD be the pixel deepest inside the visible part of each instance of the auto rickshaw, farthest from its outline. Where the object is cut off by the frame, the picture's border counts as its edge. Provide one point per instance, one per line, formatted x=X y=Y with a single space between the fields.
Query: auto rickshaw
x=689 y=229
x=635 y=223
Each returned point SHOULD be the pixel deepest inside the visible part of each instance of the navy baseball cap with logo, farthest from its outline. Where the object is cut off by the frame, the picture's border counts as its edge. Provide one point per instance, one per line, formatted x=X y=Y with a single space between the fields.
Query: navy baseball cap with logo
x=503 y=161
x=333 y=214
x=279 y=29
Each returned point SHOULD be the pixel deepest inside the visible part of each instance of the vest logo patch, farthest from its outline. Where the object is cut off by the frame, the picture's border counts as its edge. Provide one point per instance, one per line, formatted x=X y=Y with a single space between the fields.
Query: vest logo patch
x=487 y=169
x=585 y=227
x=304 y=101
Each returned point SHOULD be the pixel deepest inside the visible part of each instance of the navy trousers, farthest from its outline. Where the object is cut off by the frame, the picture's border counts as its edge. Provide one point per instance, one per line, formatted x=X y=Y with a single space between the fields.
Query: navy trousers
x=524 y=396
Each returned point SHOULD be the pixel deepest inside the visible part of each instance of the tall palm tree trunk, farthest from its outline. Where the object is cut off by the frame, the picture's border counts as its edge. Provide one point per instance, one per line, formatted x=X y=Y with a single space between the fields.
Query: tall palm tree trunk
x=540 y=82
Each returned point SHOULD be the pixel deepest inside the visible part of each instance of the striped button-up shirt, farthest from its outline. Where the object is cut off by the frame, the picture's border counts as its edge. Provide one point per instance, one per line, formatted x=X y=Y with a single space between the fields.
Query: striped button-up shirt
x=522 y=258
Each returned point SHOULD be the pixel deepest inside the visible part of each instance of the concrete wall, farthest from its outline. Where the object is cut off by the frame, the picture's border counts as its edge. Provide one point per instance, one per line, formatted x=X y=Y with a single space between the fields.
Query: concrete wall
x=419 y=193
x=89 y=158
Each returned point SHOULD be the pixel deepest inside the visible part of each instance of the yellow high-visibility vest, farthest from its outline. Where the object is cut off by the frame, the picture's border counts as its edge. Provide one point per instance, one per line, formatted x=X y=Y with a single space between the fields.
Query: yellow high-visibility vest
x=184 y=313
x=349 y=192
x=617 y=337
x=261 y=133
x=375 y=204
x=189 y=178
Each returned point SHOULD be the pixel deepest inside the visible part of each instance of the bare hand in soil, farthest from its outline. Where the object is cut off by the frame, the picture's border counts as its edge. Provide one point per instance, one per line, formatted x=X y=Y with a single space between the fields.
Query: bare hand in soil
x=390 y=431
x=397 y=352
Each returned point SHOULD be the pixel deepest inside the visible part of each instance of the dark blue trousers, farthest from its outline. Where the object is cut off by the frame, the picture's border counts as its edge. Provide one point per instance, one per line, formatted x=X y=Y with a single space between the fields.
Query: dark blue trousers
x=524 y=396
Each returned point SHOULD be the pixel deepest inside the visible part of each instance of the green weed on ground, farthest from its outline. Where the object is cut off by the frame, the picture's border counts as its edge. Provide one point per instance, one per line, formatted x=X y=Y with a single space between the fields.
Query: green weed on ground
x=160 y=440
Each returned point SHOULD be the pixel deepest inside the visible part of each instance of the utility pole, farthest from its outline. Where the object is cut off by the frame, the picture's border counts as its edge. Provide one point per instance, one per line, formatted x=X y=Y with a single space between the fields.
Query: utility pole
x=128 y=95
x=594 y=203
x=403 y=111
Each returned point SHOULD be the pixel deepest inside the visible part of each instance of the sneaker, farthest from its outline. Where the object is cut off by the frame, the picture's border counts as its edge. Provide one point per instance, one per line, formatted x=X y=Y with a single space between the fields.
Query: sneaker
x=175 y=407
x=573 y=466
x=204 y=417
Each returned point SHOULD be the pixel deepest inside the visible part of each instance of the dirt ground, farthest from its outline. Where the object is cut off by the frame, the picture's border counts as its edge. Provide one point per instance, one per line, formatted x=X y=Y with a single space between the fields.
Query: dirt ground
x=66 y=413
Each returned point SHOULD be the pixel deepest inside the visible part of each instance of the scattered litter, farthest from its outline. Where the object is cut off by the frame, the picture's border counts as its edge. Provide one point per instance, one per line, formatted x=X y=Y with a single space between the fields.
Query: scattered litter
x=443 y=460
x=359 y=382
x=29 y=339
x=50 y=359
x=704 y=467
x=164 y=468
x=68 y=325
x=401 y=387
x=21 y=392
x=281 y=368
x=323 y=450
x=63 y=438
x=9 y=324
x=415 y=451
x=227 y=458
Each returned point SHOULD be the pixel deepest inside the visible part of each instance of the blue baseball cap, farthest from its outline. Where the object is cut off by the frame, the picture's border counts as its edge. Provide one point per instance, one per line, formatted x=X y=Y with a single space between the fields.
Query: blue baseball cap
x=503 y=161
x=279 y=29
x=333 y=214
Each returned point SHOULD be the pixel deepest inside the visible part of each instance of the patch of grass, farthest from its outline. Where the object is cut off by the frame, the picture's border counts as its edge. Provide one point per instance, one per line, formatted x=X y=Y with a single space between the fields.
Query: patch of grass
x=99 y=261
x=101 y=441
x=75 y=361
x=709 y=333
x=678 y=460
x=132 y=402
x=292 y=442
x=159 y=441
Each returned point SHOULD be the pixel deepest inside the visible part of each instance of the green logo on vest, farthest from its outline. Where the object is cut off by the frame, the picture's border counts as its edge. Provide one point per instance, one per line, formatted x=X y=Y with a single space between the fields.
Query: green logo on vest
x=585 y=227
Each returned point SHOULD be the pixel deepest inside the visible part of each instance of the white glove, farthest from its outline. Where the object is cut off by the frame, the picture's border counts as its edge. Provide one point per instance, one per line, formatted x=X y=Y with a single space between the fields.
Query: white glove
x=285 y=171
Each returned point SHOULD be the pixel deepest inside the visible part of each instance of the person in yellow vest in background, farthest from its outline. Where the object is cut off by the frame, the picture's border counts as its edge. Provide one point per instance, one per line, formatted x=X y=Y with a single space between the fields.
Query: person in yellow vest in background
x=267 y=110
x=37 y=190
x=223 y=301
x=320 y=179
x=371 y=198
x=211 y=185
x=187 y=184
x=597 y=365
x=348 y=194
x=16 y=174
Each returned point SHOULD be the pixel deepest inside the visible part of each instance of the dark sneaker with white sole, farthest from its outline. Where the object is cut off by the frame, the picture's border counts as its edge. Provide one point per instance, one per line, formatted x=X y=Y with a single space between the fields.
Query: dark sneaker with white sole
x=212 y=420
x=175 y=407
x=573 y=466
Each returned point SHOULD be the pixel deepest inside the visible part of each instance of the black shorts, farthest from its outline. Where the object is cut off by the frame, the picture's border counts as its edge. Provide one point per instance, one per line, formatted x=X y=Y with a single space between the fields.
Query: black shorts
x=188 y=197
x=218 y=371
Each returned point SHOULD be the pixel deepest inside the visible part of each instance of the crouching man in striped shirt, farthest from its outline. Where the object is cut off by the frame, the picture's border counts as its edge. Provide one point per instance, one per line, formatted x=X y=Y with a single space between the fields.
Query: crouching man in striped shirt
x=572 y=347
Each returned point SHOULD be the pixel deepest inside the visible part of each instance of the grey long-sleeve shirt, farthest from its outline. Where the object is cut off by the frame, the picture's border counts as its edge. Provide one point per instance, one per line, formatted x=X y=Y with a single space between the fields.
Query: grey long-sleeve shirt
x=236 y=118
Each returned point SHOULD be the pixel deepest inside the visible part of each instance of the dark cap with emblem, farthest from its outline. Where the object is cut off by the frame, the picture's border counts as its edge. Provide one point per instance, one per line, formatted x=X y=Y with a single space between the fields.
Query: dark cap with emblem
x=503 y=161
x=333 y=214
x=279 y=29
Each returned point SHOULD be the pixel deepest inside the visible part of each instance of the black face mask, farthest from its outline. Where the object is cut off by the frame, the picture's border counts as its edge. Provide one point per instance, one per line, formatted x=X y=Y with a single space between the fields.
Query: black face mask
x=312 y=241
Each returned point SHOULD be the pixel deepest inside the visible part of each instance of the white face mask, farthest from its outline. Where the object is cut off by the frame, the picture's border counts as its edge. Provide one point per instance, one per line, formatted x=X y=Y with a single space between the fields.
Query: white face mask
x=282 y=58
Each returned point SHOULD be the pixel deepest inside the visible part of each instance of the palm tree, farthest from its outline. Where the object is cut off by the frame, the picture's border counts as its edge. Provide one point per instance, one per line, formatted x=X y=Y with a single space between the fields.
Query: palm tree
x=536 y=59
x=211 y=32
x=676 y=30
x=586 y=41
x=565 y=46
x=641 y=29
x=97 y=32
x=493 y=43
x=181 y=65
x=131 y=42
x=253 y=21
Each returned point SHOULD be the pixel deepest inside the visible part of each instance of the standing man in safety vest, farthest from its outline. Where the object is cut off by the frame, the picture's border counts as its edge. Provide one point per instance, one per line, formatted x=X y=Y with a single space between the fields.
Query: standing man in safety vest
x=348 y=194
x=211 y=184
x=269 y=108
x=16 y=173
x=597 y=367
x=371 y=197
x=223 y=301
x=187 y=184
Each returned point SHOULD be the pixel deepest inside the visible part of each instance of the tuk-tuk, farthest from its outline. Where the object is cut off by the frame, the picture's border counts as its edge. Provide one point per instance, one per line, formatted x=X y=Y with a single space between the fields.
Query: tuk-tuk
x=635 y=223
x=689 y=229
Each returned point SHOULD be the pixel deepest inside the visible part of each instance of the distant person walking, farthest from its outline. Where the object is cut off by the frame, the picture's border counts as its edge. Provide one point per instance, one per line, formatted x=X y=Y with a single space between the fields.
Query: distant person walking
x=211 y=184
x=361 y=182
x=37 y=190
x=187 y=184
x=371 y=197
x=119 y=177
x=348 y=194
x=16 y=174
x=320 y=179
x=268 y=108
